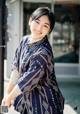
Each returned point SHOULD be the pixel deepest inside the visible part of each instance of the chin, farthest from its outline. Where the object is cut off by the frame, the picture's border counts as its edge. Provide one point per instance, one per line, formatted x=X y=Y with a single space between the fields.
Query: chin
x=36 y=36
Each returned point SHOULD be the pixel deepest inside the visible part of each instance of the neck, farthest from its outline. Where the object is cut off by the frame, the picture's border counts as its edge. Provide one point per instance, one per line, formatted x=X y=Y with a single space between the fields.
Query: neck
x=32 y=40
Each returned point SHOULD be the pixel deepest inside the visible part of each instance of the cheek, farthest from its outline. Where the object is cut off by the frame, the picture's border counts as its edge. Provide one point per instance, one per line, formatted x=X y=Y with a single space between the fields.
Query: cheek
x=46 y=31
x=32 y=26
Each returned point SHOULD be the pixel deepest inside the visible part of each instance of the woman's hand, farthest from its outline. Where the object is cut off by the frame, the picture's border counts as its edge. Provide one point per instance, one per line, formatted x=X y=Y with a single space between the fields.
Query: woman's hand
x=4 y=100
x=8 y=101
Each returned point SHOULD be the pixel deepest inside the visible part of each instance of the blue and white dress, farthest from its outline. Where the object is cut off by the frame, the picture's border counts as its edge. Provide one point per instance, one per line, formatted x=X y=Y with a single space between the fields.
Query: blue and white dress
x=40 y=93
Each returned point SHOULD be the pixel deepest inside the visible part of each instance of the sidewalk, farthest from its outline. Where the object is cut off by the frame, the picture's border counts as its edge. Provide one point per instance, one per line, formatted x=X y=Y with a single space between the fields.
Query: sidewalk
x=69 y=110
x=71 y=92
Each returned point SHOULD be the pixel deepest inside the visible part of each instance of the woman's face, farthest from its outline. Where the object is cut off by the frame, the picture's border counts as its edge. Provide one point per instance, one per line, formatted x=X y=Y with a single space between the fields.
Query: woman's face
x=40 y=27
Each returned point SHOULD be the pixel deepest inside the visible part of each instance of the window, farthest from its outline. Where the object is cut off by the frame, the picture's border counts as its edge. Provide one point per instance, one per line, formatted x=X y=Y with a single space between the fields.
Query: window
x=65 y=40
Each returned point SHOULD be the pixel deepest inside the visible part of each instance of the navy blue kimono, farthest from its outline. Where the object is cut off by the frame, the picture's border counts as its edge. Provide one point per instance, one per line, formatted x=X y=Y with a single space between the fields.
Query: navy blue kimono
x=37 y=82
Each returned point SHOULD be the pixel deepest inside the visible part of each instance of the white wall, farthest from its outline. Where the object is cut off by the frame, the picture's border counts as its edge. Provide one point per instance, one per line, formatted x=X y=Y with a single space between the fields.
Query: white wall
x=14 y=31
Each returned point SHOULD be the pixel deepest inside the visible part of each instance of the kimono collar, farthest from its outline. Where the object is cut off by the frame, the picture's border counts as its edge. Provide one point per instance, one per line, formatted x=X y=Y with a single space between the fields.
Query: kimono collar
x=36 y=43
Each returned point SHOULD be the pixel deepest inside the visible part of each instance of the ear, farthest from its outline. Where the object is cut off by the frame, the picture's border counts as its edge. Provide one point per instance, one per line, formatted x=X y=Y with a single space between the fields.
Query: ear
x=30 y=21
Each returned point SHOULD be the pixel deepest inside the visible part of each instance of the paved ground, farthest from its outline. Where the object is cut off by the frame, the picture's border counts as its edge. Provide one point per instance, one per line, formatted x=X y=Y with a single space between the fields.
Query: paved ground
x=71 y=92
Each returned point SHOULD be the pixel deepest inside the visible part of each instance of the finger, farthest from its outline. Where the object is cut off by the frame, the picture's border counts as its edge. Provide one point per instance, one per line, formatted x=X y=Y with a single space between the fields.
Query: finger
x=3 y=103
x=8 y=104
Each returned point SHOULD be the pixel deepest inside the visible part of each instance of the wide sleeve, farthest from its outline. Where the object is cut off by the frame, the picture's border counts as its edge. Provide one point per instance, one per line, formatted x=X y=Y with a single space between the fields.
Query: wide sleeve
x=35 y=72
x=15 y=75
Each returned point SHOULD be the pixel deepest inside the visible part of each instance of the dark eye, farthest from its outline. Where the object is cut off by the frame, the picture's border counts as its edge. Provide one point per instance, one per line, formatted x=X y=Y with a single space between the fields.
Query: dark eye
x=37 y=21
x=46 y=26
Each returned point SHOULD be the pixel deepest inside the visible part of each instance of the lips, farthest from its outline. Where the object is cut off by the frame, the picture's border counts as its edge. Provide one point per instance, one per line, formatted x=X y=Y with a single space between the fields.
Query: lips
x=37 y=32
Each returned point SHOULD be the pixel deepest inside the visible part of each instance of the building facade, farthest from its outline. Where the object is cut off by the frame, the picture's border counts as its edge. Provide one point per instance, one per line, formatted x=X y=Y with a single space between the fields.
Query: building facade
x=65 y=38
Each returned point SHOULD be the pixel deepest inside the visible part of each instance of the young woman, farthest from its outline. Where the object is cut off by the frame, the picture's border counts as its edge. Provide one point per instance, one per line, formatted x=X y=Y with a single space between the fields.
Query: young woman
x=33 y=85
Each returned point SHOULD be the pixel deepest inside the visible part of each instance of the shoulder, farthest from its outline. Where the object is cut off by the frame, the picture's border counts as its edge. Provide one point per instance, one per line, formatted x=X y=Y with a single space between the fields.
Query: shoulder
x=25 y=38
x=47 y=49
x=42 y=53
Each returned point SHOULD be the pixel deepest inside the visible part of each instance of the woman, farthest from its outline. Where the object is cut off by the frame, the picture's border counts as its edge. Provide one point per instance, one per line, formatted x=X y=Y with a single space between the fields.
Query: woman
x=33 y=85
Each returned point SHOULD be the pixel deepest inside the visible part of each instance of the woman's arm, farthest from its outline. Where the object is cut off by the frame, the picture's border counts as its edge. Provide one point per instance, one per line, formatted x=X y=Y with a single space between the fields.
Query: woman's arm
x=13 y=80
x=9 y=89
x=12 y=95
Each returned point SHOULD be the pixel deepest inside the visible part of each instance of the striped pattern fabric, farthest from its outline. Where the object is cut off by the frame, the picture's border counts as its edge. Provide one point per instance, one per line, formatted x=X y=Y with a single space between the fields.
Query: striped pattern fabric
x=40 y=91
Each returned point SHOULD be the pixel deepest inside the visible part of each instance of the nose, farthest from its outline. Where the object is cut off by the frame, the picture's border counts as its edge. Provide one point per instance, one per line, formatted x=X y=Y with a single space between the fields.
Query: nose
x=39 y=28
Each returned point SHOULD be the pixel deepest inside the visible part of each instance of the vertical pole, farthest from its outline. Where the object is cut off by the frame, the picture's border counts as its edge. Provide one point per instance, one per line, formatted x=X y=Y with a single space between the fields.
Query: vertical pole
x=51 y=35
x=79 y=57
x=2 y=10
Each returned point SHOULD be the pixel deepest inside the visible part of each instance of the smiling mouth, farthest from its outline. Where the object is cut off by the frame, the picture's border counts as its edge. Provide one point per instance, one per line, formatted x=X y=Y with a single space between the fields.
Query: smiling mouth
x=37 y=32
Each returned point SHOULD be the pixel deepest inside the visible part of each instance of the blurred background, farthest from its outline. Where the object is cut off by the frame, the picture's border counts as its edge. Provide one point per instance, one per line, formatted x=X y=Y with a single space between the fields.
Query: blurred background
x=64 y=39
